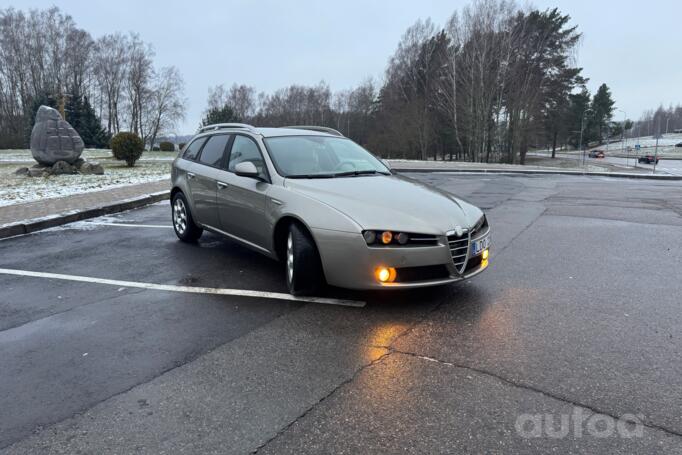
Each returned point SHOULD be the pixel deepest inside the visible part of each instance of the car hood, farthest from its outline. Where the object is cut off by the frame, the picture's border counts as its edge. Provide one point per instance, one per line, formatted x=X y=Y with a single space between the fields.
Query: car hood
x=390 y=202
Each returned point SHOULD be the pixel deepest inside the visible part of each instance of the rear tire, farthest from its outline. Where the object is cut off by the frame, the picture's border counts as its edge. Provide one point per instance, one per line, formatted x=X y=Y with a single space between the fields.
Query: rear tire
x=183 y=223
x=303 y=267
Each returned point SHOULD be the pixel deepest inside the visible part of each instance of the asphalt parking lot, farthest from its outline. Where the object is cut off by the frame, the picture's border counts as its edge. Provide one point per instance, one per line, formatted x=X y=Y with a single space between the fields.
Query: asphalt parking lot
x=578 y=319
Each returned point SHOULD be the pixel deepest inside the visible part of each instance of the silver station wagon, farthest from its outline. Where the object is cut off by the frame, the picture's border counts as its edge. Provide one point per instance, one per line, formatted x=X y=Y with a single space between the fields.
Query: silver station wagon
x=327 y=208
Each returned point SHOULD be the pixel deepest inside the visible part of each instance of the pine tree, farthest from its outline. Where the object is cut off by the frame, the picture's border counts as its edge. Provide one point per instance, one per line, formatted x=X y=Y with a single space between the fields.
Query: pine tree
x=602 y=110
x=223 y=114
x=82 y=117
x=578 y=118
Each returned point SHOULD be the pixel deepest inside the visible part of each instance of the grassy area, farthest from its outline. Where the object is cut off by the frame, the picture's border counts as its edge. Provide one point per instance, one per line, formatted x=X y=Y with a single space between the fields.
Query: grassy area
x=100 y=155
x=14 y=189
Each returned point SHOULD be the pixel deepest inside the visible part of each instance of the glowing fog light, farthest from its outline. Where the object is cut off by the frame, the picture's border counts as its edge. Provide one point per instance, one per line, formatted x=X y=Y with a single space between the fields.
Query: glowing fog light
x=485 y=254
x=385 y=274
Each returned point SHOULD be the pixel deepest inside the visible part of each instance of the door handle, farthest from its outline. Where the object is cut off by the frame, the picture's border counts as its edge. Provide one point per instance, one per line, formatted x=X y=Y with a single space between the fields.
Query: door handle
x=222 y=185
x=190 y=176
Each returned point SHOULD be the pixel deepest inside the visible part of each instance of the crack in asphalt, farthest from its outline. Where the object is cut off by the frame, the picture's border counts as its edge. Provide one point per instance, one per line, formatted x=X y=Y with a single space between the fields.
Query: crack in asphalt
x=310 y=408
x=389 y=351
x=531 y=388
x=521 y=232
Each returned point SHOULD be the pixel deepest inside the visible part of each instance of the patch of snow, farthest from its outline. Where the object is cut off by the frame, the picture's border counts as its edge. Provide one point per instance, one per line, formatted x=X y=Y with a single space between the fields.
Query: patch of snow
x=44 y=190
x=18 y=189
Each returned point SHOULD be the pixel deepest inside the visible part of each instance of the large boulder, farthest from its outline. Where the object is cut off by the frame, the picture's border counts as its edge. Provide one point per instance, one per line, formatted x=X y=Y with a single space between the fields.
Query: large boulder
x=53 y=139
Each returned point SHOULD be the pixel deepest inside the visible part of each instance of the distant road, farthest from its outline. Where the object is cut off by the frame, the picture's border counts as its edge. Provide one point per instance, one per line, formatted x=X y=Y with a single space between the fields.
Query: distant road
x=673 y=167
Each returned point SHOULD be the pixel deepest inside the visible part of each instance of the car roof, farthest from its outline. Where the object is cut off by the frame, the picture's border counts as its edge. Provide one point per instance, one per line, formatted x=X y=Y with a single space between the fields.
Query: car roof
x=270 y=131
x=273 y=132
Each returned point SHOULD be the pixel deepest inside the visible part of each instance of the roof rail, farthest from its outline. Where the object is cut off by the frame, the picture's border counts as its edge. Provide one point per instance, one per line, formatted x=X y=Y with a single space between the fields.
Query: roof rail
x=218 y=126
x=321 y=129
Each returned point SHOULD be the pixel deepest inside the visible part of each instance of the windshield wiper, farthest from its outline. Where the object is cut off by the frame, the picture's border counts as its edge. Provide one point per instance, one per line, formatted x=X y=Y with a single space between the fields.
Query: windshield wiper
x=338 y=174
x=311 y=176
x=355 y=173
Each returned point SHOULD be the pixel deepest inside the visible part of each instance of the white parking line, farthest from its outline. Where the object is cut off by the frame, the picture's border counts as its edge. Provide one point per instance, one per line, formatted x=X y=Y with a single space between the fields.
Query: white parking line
x=102 y=223
x=188 y=289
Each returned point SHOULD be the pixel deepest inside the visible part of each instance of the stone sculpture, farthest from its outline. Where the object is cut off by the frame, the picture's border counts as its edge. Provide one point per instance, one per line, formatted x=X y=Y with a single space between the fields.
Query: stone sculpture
x=53 y=139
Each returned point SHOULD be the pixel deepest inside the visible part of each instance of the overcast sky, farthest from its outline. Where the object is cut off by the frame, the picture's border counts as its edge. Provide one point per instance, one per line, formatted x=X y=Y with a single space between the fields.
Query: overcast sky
x=634 y=47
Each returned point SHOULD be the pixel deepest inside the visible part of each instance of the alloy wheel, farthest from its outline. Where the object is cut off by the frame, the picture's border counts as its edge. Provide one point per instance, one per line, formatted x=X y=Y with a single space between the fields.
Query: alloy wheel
x=290 y=258
x=179 y=216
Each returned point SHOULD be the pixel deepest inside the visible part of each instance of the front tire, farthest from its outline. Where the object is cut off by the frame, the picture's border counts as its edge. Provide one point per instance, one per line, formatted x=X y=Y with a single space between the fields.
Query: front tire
x=303 y=267
x=183 y=223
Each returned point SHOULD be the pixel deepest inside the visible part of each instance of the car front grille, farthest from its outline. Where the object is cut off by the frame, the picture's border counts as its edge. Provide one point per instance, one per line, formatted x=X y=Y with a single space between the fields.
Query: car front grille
x=459 y=249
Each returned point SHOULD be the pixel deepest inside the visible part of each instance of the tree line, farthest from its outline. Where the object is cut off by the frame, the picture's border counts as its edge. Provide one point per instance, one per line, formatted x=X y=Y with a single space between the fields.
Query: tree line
x=492 y=83
x=495 y=81
x=101 y=85
x=659 y=121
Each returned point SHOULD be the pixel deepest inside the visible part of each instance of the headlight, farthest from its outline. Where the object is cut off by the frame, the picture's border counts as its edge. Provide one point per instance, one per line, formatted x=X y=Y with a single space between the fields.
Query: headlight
x=386 y=238
x=370 y=237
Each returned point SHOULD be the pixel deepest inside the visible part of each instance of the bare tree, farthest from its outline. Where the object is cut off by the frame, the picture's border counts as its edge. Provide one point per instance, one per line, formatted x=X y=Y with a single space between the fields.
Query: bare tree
x=42 y=54
x=240 y=98
x=408 y=89
x=110 y=64
x=140 y=71
x=167 y=105
x=472 y=83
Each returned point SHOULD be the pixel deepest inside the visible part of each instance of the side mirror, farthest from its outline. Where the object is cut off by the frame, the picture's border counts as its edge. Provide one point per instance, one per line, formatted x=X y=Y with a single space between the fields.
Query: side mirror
x=386 y=163
x=246 y=169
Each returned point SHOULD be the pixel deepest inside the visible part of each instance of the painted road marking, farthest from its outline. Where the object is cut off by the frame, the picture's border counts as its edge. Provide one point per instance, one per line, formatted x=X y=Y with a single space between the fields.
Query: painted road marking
x=103 y=223
x=187 y=289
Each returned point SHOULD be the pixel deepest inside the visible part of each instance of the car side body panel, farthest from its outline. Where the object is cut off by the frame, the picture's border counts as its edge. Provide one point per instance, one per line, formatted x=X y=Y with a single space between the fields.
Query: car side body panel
x=241 y=205
x=179 y=177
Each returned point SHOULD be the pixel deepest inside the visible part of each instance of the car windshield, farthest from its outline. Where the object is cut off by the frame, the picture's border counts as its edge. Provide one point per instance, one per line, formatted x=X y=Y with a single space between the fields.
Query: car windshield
x=321 y=157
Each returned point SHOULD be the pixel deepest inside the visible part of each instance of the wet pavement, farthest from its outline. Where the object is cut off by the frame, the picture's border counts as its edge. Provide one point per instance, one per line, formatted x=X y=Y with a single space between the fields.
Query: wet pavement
x=570 y=342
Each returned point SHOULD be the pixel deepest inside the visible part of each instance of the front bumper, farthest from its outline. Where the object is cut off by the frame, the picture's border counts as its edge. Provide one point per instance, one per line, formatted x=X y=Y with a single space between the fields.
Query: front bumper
x=349 y=263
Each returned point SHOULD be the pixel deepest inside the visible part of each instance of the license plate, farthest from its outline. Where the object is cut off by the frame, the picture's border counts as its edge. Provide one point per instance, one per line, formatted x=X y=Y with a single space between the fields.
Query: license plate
x=477 y=246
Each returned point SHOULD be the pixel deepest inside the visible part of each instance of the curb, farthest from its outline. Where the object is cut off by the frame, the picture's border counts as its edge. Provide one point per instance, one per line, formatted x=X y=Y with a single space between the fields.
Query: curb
x=37 y=224
x=543 y=172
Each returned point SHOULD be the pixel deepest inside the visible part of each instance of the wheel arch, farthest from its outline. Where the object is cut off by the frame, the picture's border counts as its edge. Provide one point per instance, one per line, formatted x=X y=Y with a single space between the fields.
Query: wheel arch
x=175 y=190
x=279 y=233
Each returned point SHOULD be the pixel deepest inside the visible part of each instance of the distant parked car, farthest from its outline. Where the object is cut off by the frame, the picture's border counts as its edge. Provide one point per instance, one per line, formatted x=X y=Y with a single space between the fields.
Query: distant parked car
x=647 y=159
x=597 y=154
x=679 y=144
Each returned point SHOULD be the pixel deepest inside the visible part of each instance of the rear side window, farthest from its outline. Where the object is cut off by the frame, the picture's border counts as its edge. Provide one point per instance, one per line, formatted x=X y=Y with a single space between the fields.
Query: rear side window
x=212 y=154
x=192 y=149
